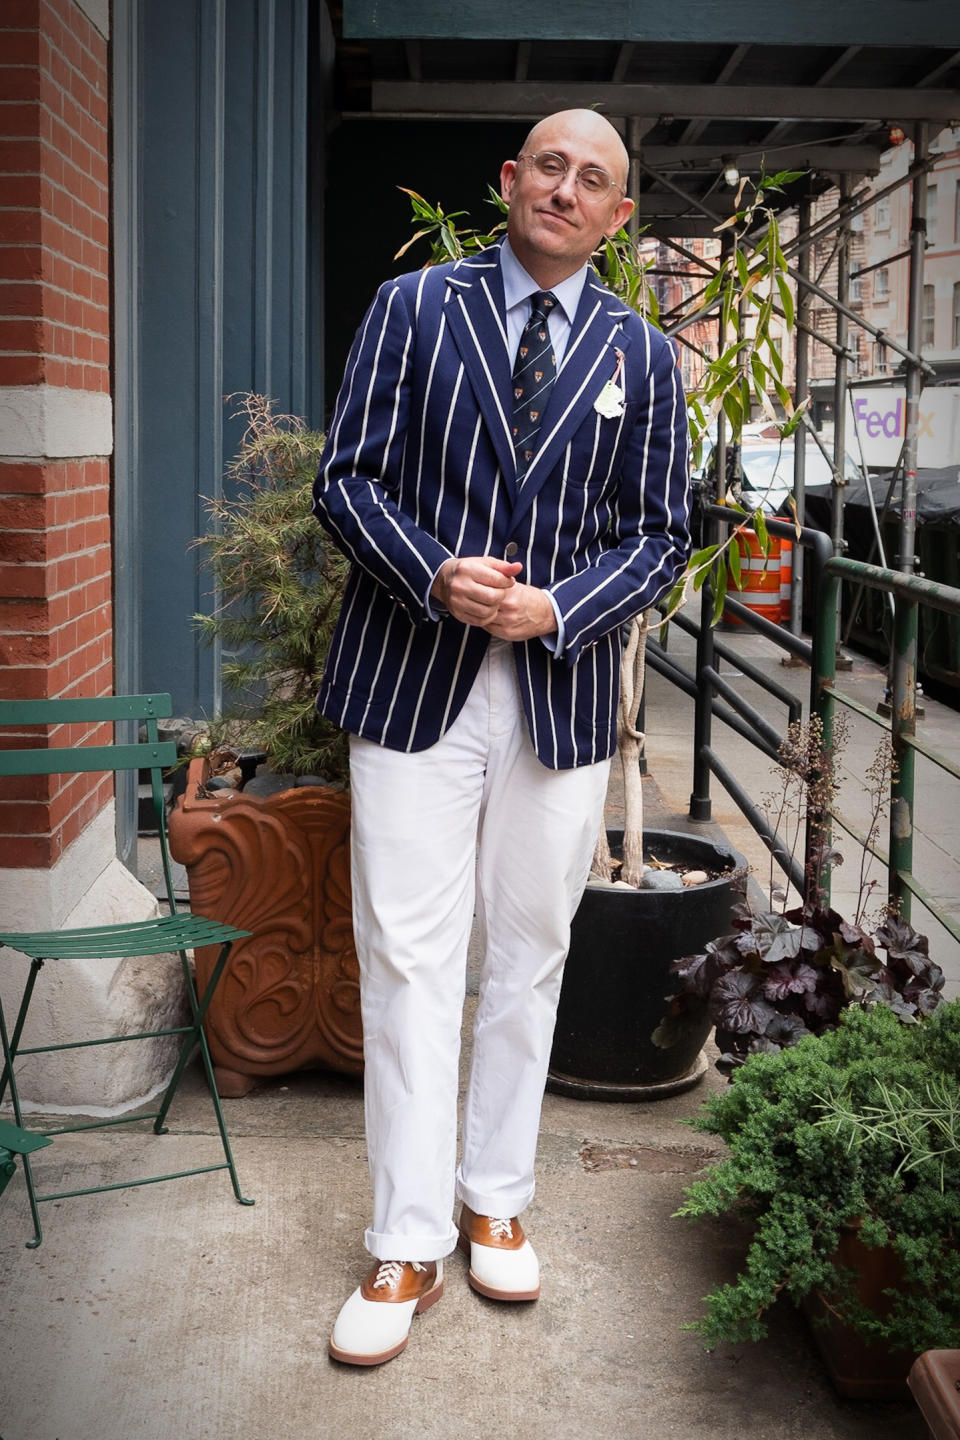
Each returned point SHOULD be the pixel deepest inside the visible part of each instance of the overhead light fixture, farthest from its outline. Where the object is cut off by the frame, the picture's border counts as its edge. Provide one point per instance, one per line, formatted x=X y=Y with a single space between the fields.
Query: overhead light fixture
x=896 y=135
x=730 y=172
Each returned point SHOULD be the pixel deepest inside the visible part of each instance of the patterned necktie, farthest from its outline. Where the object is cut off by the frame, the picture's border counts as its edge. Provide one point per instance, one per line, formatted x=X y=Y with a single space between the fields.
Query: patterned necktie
x=534 y=372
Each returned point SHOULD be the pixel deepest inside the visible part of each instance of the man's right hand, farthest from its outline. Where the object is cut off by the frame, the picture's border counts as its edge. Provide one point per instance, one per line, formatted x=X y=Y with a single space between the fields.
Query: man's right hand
x=472 y=588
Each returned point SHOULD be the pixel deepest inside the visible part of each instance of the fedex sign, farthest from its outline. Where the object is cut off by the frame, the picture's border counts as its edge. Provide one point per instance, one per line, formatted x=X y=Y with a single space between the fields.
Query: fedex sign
x=879 y=416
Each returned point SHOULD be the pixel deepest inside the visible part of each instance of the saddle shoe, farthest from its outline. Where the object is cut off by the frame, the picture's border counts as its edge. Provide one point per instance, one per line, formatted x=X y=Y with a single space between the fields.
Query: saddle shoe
x=503 y=1263
x=374 y=1323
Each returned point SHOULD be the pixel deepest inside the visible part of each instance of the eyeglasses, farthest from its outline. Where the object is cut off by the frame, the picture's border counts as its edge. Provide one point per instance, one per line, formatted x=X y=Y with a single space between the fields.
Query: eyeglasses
x=593 y=184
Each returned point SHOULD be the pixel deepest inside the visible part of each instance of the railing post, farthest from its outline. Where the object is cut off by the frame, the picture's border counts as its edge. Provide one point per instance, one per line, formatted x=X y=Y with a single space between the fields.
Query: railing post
x=800 y=395
x=903 y=670
x=822 y=703
x=700 y=803
x=903 y=726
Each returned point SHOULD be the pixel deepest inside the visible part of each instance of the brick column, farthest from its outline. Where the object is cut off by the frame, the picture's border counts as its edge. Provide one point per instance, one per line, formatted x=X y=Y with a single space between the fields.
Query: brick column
x=58 y=861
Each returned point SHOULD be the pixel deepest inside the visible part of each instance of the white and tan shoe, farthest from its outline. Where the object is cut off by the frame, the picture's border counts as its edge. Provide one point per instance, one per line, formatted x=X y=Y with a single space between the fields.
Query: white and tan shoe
x=374 y=1324
x=503 y=1263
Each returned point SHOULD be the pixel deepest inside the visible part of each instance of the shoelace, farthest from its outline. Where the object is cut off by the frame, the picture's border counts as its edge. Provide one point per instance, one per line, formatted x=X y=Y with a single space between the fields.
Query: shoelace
x=501 y=1229
x=391 y=1272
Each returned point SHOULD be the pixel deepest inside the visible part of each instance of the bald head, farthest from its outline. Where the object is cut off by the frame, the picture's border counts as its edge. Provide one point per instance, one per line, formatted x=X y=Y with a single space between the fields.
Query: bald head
x=591 y=129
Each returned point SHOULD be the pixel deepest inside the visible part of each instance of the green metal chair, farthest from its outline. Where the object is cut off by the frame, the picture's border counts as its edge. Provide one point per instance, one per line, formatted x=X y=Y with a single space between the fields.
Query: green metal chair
x=178 y=931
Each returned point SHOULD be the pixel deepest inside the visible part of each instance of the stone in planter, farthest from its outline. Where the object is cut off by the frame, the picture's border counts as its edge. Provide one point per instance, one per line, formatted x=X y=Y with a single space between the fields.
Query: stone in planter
x=618 y=974
x=278 y=866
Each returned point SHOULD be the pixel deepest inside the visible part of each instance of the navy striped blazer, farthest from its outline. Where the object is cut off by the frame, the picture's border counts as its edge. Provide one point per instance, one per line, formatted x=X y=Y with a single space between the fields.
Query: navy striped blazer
x=419 y=466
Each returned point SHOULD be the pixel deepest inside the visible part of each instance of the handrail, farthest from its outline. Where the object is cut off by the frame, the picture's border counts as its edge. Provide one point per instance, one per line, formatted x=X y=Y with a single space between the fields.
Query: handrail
x=908 y=592
x=715 y=699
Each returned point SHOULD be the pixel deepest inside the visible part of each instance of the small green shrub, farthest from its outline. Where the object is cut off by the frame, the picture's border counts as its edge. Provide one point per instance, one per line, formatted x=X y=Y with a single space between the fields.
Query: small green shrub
x=859 y=1125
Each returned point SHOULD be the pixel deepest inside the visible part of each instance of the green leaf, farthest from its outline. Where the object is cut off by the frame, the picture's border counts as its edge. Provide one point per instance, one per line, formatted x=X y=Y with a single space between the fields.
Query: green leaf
x=759 y=372
x=733 y=411
x=786 y=300
x=743 y=269
x=784 y=396
x=712 y=289
x=727 y=309
x=763 y=537
x=733 y=563
x=719 y=594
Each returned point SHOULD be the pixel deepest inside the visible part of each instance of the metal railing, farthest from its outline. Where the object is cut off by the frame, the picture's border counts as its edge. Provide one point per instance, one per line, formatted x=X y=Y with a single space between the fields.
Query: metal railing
x=908 y=592
x=715 y=698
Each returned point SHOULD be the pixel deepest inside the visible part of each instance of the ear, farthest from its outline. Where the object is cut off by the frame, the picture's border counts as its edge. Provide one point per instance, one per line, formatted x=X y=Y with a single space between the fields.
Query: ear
x=508 y=177
x=619 y=217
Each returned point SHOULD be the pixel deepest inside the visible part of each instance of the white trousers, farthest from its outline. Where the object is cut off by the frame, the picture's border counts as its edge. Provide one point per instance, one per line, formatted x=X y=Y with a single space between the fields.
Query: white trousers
x=476 y=820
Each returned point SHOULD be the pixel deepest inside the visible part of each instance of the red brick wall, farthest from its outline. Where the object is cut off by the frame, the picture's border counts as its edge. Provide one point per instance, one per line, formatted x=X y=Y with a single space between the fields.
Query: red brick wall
x=55 y=561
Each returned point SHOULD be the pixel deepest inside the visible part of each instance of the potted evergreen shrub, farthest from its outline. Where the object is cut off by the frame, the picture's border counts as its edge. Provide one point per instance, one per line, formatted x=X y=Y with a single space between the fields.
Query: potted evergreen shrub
x=273 y=856
x=844 y=1154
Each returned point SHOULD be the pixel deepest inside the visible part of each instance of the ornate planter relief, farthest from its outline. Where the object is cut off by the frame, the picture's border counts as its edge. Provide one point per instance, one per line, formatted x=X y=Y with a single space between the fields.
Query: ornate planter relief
x=278 y=866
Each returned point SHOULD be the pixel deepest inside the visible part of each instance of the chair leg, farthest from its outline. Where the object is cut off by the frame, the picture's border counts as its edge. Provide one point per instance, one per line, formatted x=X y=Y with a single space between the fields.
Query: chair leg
x=35 y=967
x=9 y=1055
x=199 y=1008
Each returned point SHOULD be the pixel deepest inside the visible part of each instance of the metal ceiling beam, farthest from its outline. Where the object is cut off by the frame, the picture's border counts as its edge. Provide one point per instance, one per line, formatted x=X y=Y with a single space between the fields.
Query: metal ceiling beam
x=624 y=56
x=850 y=159
x=841 y=62
x=412 y=48
x=652 y=203
x=938 y=73
x=692 y=22
x=522 y=67
x=748 y=102
x=695 y=128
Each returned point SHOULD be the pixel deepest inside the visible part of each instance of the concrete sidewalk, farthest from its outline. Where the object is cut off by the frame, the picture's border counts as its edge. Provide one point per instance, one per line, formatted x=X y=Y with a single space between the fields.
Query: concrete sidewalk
x=171 y=1311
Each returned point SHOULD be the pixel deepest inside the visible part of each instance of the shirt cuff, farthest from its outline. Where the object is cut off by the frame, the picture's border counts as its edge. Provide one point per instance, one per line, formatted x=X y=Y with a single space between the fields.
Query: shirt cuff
x=555 y=642
x=435 y=611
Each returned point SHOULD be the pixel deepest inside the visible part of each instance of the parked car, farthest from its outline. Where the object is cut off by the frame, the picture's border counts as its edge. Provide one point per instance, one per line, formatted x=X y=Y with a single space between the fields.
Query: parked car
x=767 y=469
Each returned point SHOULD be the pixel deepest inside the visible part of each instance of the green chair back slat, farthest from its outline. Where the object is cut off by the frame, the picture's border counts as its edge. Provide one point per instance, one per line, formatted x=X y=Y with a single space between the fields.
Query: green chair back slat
x=106 y=707
x=58 y=760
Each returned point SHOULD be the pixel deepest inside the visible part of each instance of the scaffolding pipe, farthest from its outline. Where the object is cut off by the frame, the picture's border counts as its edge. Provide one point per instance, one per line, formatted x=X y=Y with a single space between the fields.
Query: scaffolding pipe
x=831 y=222
x=840 y=382
x=903 y=668
x=800 y=396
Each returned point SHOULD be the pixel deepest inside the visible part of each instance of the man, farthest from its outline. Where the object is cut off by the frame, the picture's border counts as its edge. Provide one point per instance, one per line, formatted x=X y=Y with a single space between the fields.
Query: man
x=507 y=469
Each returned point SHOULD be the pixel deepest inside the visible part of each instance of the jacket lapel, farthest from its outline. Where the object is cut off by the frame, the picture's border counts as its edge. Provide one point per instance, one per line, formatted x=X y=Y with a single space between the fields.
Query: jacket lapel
x=589 y=362
x=474 y=313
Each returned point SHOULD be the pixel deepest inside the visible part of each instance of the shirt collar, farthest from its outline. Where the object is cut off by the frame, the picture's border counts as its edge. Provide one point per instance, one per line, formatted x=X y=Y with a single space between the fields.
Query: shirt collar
x=519 y=286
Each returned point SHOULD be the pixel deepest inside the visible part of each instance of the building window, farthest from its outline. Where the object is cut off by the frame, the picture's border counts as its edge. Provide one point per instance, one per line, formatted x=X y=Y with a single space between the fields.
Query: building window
x=932 y=214
x=927 y=318
x=856 y=290
x=881 y=285
x=883 y=213
x=880 y=357
x=956 y=213
x=956 y=317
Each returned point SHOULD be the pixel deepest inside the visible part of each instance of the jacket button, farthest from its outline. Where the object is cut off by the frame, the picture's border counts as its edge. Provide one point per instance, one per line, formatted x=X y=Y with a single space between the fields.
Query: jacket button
x=511 y=550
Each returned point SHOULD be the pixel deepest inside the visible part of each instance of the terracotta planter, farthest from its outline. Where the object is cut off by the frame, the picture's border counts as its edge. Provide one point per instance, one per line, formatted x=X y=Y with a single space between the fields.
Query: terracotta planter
x=861 y=1369
x=278 y=866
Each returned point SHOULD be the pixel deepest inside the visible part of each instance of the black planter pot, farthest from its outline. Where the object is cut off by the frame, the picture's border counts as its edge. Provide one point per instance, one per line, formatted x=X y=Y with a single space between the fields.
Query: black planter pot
x=618 y=974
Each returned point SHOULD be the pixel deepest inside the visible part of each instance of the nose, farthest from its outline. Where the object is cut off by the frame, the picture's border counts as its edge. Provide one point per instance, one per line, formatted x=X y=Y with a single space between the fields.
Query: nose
x=566 y=187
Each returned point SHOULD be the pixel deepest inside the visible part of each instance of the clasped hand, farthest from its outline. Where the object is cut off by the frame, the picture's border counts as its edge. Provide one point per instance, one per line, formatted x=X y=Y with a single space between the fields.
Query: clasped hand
x=482 y=590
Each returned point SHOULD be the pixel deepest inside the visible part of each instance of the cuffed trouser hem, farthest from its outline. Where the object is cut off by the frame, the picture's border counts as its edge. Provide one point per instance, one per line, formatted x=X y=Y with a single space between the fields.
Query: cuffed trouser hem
x=410 y=1247
x=504 y=1206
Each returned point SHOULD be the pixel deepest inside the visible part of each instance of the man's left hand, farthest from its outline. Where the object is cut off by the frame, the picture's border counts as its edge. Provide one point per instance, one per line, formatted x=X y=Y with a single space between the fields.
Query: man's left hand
x=524 y=611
